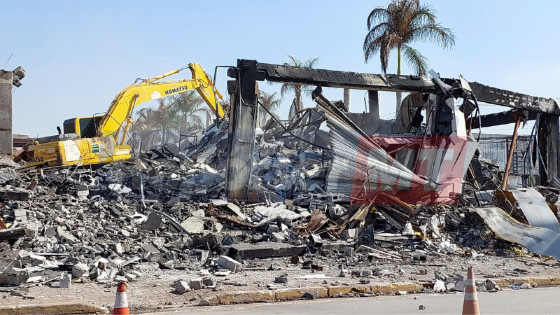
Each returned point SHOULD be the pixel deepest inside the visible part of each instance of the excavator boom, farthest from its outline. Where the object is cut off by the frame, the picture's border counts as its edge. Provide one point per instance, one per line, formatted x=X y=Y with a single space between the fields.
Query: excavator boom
x=136 y=94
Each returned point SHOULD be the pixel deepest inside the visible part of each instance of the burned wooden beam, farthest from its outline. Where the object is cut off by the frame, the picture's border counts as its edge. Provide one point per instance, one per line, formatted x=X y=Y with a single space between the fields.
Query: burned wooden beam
x=346 y=79
x=496 y=119
x=492 y=95
x=548 y=146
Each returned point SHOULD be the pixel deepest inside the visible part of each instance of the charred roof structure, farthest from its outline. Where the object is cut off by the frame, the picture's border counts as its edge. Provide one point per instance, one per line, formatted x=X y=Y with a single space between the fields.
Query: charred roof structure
x=441 y=93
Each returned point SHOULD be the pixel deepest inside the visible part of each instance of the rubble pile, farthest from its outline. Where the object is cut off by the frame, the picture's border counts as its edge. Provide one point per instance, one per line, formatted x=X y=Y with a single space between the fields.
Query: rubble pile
x=167 y=210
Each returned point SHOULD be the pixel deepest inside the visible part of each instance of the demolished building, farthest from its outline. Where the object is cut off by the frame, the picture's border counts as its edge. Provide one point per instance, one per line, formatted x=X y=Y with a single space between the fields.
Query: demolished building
x=394 y=190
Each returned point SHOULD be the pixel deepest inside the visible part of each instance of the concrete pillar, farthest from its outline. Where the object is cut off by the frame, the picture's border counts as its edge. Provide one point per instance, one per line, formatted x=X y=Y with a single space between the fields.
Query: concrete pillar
x=242 y=124
x=6 y=140
x=347 y=99
x=548 y=145
x=373 y=100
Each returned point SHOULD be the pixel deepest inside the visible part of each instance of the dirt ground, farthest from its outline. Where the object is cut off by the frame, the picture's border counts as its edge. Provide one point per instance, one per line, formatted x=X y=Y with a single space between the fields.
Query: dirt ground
x=155 y=291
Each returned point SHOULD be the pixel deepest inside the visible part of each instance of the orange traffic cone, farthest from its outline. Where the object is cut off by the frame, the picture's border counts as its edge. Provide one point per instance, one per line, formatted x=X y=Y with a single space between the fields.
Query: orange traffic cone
x=470 y=305
x=121 y=302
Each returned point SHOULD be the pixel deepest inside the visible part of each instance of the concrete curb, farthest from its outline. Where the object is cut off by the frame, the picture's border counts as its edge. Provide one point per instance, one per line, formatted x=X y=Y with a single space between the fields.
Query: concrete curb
x=320 y=292
x=52 y=308
x=317 y=292
x=284 y=294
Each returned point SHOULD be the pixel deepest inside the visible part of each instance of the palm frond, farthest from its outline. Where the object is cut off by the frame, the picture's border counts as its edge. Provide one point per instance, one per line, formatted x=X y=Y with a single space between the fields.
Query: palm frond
x=434 y=33
x=376 y=15
x=415 y=59
x=376 y=32
x=294 y=62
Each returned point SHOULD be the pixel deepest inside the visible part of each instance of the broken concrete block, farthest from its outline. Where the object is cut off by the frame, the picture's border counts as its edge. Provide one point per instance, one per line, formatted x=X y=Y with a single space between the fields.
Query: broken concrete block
x=350 y=234
x=204 y=256
x=229 y=263
x=219 y=202
x=459 y=286
x=196 y=284
x=153 y=222
x=491 y=285
x=265 y=250
x=439 y=286
x=348 y=251
x=79 y=270
x=65 y=280
x=193 y=225
x=235 y=209
x=407 y=230
x=209 y=281
x=32 y=229
x=119 y=248
x=281 y=279
x=119 y=188
x=525 y=285
x=278 y=237
x=362 y=273
x=65 y=235
x=316 y=240
x=14 y=276
x=129 y=277
x=272 y=229
x=181 y=286
x=34 y=279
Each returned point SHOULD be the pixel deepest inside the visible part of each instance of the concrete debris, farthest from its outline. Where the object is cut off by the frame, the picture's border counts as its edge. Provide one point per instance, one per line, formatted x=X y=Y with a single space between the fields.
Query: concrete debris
x=229 y=263
x=181 y=286
x=65 y=280
x=126 y=221
x=196 y=284
x=439 y=286
x=79 y=270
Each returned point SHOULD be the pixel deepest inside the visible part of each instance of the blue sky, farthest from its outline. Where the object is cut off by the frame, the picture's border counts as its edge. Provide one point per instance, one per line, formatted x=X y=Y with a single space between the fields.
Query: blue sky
x=80 y=54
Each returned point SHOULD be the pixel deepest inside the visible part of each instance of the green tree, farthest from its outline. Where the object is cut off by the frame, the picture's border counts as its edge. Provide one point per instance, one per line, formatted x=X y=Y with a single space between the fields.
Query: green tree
x=270 y=102
x=185 y=109
x=297 y=88
x=154 y=119
x=398 y=25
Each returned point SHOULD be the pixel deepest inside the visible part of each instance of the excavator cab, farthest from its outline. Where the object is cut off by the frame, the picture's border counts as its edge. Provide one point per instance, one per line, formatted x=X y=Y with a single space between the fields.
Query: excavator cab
x=84 y=127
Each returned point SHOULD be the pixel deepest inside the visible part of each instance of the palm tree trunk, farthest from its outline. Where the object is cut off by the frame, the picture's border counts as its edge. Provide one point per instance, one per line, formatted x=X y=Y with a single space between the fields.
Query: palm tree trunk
x=298 y=100
x=399 y=60
x=399 y=94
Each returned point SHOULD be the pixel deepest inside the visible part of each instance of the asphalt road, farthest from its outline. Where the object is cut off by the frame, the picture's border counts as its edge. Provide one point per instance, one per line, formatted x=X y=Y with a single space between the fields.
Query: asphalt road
x=532 y=301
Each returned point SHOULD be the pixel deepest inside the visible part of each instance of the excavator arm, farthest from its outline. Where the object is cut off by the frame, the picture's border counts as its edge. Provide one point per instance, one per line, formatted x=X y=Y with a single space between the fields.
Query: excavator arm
x=150 y=89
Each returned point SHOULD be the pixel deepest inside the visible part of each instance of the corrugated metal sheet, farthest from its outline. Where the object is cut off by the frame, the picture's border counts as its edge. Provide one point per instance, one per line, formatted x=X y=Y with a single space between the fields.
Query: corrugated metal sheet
x=353 y=154
x=539 y=240
x=357 y=158
x=536 y=209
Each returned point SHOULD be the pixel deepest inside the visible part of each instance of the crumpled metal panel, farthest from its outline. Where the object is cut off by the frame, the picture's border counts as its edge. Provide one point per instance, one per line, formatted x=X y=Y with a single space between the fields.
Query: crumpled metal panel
x=539 y=240
x=536 y=209
x=351 y=161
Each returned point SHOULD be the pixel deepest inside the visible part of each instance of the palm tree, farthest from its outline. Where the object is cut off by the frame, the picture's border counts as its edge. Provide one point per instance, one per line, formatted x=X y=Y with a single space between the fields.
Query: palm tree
x=185 y=109
x=271 y=103
x=154 y=119
x=297 y=88
x=400 y=24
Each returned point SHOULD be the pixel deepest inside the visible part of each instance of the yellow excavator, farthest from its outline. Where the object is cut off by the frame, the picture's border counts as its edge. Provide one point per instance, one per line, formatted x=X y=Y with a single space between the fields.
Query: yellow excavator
x=101 y=139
